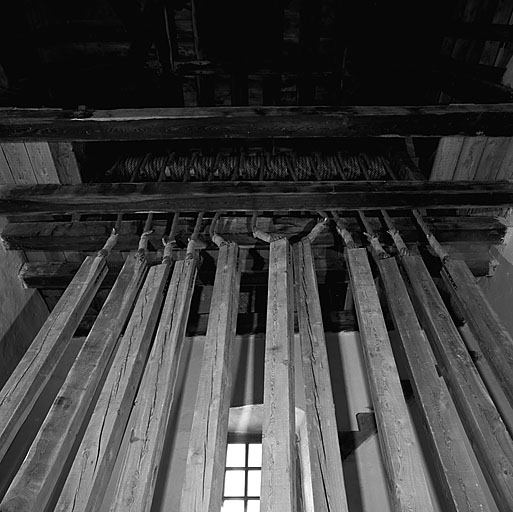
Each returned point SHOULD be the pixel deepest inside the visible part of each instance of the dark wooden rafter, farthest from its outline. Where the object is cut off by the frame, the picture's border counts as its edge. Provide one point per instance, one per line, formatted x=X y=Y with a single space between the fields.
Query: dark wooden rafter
x=251 y=196
x=254 y=123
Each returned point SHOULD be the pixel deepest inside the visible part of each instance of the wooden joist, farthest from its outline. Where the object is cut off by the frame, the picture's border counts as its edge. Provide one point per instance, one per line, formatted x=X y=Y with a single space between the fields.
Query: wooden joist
x=278 y=489
x=483 y=424
x=204 y=476
x=89 y=235
x=26 y=383
x=328 y=489
x=258 y=122
x=88 y=477
x=494 y=341
x=401 y=453
x=251 y=196
x=35 y=481
x=462 y=489
x=137 y=479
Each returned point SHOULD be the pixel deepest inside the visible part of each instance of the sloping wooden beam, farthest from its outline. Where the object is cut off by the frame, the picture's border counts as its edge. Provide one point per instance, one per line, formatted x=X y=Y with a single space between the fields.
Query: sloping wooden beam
x=401 y=453
x=278 y=488
x=494 y=340
x=462 y=489
x=36 y=480
x=26 y=383
x=136 y=483
x=251 y=196
x=89 y=475
x=249 y=123
x=204 y=475
x=326 y=464
x=481 y=420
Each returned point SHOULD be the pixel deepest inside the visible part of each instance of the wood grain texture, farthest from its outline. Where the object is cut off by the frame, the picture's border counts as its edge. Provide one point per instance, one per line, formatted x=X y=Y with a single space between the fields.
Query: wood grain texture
x=19 y=162
x=164 y=197
x=446 y=158
x=495 y=343
x=136 y=482
x=42 y=162
x=254 y=122
x=491 y=160
x=470 y=156
x=278 y=487
x=401 y=453
x=483 y=424
x=65 y=162
x=462 y=490
x=328 y=486
x=41 y=469
x=26 y=383
x=203 y=485
x=5 y=171
x=505 y=170
x=88 y=478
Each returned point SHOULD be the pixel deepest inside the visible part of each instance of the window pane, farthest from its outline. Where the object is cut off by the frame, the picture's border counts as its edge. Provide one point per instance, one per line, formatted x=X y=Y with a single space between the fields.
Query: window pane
x=255 y=455
x=253 y=506
x=234 y=483
x=234 y=506
x=254 y=482
x=235 y=455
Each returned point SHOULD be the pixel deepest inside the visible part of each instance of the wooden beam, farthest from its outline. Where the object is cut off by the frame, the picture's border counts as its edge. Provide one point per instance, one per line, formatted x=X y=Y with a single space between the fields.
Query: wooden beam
x=328 y=487
x=65 y=162
x=481 y=420
x=278 y=488
x=156 y=395
x=250 y=123
x=93 y=464
x=462 y=489
x=251 y=196
x=401 y=453
x=35 y=482
x=494 y=341
x=28 y=380
x=204 y=475
x=446 y=158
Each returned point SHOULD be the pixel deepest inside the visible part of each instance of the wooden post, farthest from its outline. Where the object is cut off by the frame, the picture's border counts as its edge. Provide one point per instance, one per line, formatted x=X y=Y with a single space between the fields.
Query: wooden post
x=136 y=483
x=278 y=431
x=204 y=475
x=483 y=424
x=459 y=481
x=407 y=482
x=41 y=469
x=323 y=445
x=88 y=478
x=28 y=380
x=494 y=340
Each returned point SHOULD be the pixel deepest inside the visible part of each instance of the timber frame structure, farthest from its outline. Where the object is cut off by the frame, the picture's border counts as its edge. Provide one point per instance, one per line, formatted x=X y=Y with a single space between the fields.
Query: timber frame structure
x=303 y=272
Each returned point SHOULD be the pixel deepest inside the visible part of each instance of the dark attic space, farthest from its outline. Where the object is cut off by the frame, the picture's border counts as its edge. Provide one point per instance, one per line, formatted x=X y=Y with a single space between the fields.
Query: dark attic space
x=256 y=256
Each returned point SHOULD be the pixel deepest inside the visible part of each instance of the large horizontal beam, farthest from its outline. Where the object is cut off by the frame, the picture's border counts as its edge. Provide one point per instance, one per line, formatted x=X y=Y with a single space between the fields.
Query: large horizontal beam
x=254 y=122
x=251 y=196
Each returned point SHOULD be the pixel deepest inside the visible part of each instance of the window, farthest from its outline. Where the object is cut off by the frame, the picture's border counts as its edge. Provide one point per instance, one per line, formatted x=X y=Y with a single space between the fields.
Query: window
x=242 y=474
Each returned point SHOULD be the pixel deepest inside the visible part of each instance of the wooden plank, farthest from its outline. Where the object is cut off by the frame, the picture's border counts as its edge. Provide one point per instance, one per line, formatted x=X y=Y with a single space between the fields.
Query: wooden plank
x=505 y=170
x=35 y=482
x=446 y=158
x=5 y=171
x=470 y=156
x=494 y=341
x=136 y=482
x=42 y=162
x=65 y=162
x=203 y=486
x=26 y=383
x=89 y=475
x=278 y=488
x=491 y=160
x=251 y=196
x=483 y=424
x=254 y=122
x=19 y=162
x=401 y=453
x=460 y=484
x=328 y=487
